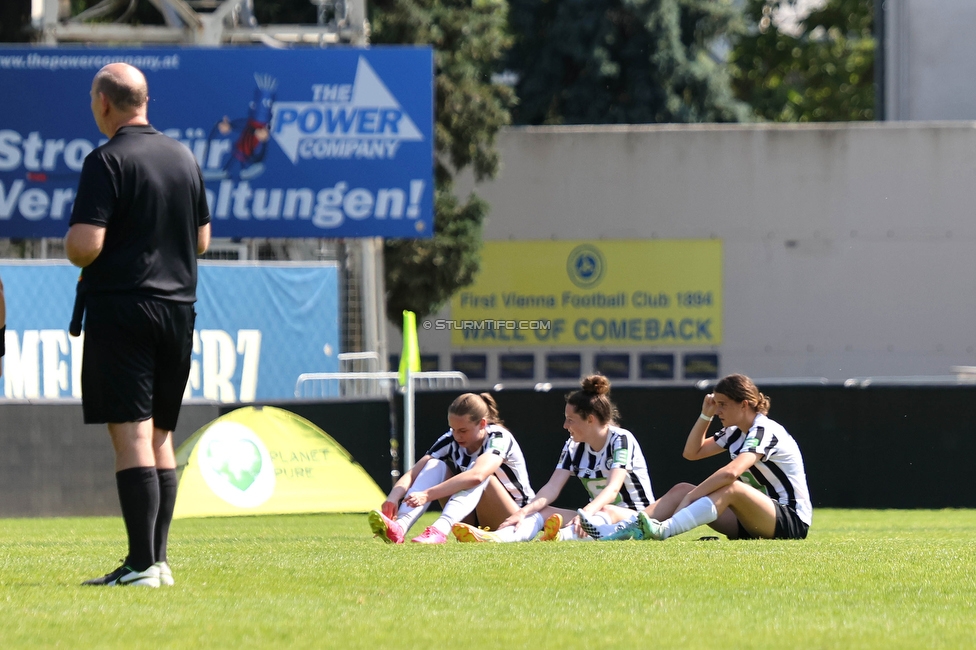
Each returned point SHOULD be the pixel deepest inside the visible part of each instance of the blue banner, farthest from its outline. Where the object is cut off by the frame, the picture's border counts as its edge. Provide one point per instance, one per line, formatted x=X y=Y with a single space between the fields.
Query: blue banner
x=324 y=142
x=258 y=327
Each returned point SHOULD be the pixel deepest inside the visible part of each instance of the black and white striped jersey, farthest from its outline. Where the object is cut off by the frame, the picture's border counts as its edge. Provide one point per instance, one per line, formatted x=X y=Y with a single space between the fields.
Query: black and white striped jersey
x=778 y=472
x=513 y=473
x=593 y=467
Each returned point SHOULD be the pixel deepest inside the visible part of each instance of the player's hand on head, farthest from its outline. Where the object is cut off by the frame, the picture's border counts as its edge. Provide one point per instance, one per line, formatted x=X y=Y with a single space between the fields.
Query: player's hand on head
x=708 y=404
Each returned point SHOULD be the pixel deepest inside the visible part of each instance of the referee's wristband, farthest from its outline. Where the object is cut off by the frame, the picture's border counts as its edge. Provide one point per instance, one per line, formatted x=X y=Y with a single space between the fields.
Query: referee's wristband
x=3 y=335
x=707 y=418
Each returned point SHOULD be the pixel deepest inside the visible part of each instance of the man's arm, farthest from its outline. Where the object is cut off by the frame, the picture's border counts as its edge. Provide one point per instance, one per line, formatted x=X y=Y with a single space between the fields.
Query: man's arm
x=83 y=243
x=203 y=239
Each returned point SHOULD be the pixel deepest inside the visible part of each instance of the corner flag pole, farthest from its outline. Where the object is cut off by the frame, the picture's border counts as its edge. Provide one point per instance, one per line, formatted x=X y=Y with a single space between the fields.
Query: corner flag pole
x=409 y=363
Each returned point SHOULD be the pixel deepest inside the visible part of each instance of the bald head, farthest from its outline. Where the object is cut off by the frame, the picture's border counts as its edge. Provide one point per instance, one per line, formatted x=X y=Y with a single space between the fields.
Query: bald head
x=124 y=86
x=119 y=97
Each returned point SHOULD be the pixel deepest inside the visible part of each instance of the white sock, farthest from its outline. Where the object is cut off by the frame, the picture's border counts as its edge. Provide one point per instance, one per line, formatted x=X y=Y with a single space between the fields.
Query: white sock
x=434 y=472
x=524 y=532
x=623 y=523
x=697 y=514
x=530 y=527
x=603 y=524
x=567 y=534
x=607 y=528
x=460 y=506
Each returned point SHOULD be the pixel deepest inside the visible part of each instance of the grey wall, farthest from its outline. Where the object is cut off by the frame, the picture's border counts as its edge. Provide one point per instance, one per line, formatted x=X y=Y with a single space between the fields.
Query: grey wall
x=930 y=59
x=838 y=430
x=52 y=464
x=848 y=249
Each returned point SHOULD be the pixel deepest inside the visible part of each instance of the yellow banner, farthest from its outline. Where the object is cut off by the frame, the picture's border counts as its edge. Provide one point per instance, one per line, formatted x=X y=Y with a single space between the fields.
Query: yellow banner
x=605 y=293
x=266 y=460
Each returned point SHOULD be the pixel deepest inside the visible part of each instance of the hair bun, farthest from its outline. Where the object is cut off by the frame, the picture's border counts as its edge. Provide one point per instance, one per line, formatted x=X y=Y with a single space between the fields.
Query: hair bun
x=597 y=384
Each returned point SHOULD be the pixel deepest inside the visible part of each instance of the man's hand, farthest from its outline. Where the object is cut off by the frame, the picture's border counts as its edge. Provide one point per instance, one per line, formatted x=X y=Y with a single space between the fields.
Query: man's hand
x=84 y=243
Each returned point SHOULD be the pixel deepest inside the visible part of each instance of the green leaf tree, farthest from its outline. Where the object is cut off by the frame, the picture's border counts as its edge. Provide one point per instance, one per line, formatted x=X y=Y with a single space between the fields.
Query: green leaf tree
x=469 y=40
x=822 y=72
x=15 y=21
x=623 y=61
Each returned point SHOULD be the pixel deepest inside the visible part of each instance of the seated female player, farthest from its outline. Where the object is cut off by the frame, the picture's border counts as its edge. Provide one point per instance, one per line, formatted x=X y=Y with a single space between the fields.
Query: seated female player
x=477 y=466
x=605 y=457
x=761 y=493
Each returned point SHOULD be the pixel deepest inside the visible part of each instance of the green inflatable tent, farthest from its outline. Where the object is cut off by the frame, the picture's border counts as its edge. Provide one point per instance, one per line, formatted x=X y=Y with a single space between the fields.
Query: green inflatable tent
x=266 y=460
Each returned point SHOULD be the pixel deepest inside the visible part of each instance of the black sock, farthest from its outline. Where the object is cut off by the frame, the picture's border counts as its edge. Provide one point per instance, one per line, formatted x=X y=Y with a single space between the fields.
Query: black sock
x=167 y=501
x=139 y=498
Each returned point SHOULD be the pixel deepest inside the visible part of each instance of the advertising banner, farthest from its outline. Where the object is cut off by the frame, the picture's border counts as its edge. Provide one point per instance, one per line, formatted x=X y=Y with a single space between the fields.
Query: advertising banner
x=603 y=293
x=260 y=461
x=258 y=327
x=323 y=142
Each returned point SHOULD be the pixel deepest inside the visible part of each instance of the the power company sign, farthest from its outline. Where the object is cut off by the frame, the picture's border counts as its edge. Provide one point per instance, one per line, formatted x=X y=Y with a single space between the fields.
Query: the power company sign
x=292 y=143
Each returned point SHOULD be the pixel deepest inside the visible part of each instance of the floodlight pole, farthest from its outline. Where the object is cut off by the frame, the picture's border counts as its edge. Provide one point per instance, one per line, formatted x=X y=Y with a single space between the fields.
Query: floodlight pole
x=49 y=20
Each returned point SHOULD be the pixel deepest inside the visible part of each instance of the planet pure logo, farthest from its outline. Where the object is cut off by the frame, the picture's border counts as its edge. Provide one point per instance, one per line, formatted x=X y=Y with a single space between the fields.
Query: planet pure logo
x=236 y=465
x=586 y=266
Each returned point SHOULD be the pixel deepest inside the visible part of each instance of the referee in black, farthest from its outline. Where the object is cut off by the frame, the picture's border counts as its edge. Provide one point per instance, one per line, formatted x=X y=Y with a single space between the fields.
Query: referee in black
x=3 y=326
x=139 y=220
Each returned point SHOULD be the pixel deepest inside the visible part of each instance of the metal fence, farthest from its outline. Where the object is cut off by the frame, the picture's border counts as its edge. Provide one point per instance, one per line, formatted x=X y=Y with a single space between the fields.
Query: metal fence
x=371 y=384
x=362 y=317
x=381 y=384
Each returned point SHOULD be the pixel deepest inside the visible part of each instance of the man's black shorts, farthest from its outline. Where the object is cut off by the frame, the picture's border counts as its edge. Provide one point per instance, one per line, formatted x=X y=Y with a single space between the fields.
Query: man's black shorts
x=136 y=359
x=788 y=525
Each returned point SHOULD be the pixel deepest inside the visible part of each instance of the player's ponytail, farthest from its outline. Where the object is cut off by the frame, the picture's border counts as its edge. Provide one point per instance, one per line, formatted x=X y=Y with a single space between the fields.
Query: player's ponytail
x=593 y=398
x=492 y=416
x=476 y=407
x=762 y=406
x=740 y=388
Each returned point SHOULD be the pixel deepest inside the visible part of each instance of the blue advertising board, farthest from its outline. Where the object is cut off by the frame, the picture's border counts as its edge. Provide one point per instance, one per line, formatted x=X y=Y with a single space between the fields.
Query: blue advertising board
x=258 y=327
x=324 y=142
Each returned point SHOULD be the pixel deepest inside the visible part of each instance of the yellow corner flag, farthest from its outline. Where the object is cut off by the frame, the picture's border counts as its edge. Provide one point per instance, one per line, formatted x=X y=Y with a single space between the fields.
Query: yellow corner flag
x=410 y=356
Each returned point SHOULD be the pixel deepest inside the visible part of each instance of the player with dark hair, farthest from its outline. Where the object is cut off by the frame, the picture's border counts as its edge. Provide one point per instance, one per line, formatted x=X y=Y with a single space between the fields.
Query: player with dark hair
x=139 y=220
x=477 y=466
x=761 y=493
x=605 y=457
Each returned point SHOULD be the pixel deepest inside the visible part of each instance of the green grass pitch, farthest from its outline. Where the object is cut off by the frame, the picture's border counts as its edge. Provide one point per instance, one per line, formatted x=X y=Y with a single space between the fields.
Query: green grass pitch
x=863 y=579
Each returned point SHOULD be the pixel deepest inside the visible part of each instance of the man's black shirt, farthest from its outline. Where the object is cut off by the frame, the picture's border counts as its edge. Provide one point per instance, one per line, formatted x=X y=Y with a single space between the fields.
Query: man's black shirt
x=147 y=191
